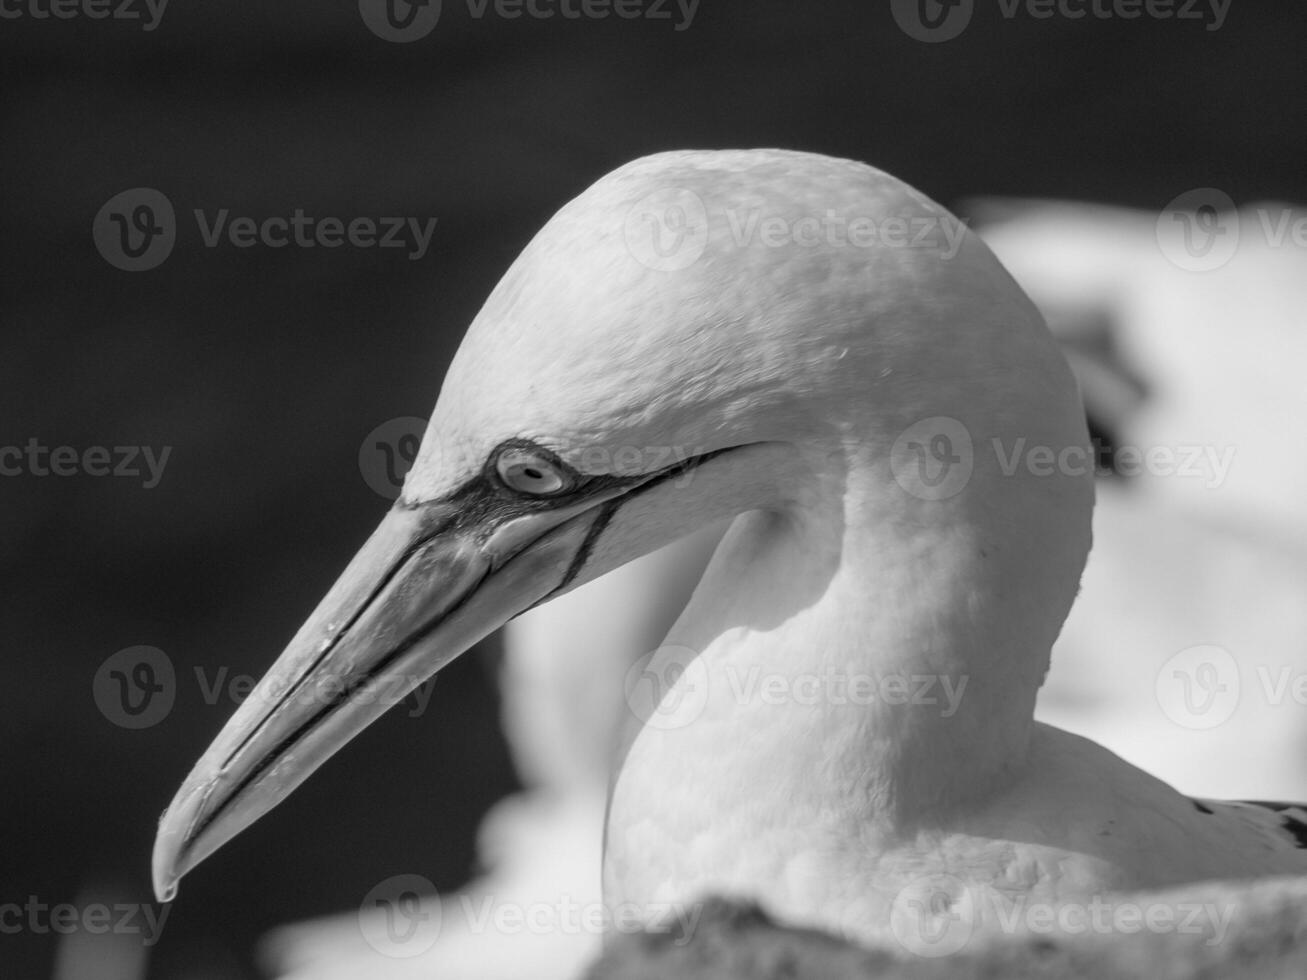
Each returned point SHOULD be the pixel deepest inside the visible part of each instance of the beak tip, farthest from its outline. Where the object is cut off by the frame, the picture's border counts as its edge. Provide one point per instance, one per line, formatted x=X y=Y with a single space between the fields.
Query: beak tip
x=167 y=856
x=174 y=851
x=164 y=873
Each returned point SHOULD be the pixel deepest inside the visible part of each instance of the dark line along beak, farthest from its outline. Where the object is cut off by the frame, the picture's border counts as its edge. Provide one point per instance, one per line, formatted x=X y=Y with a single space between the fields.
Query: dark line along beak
x=430 y=582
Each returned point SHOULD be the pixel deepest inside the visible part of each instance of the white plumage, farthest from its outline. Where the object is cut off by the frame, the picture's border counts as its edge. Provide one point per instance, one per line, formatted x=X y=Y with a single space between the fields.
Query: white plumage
x=820 y=392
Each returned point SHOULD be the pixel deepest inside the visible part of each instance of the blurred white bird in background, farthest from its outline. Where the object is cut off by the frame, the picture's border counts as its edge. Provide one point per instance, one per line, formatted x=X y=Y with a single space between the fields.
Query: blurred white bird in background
x=510 y=830
x=1189 y=556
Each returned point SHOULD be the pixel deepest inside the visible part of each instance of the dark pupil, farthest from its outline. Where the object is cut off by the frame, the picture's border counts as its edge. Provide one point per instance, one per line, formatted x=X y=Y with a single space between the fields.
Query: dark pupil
x=533 y=474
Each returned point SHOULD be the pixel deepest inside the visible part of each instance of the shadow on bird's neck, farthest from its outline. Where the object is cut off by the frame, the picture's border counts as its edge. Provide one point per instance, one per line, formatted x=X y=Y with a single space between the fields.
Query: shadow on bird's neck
x=872 y=646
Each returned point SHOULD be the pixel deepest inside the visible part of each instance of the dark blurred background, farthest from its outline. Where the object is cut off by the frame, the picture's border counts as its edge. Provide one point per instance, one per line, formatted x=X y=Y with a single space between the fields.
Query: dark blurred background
x=266 y=369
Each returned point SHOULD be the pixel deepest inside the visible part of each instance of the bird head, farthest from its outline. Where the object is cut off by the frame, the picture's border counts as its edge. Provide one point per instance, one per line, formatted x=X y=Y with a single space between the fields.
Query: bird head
x=687 y=340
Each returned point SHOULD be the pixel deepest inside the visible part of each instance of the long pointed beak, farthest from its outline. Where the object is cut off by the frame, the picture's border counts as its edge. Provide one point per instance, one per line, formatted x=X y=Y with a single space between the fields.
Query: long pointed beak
x=426 y=586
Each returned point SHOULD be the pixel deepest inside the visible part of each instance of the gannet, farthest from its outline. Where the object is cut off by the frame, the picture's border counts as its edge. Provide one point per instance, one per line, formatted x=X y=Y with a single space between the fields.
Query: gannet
x=787 y=340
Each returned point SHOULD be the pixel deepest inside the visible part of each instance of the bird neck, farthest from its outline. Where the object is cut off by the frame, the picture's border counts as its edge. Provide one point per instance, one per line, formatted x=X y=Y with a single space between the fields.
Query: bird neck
x=864 y=652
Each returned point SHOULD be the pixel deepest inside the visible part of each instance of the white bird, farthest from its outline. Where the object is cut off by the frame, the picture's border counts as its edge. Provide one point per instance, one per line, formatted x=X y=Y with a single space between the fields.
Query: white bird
x=1190 y=555
x=648 y=366
x=1222 y=351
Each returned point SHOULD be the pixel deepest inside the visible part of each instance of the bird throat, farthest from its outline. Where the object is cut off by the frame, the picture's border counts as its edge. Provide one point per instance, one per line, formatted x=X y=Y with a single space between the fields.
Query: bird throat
x=849 y=673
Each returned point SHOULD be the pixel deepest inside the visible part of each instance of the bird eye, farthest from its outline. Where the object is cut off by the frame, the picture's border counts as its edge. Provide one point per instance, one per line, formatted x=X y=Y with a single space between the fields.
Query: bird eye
x=530 y=472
